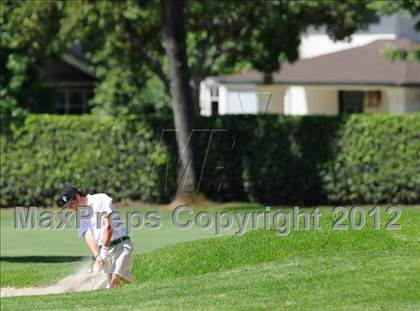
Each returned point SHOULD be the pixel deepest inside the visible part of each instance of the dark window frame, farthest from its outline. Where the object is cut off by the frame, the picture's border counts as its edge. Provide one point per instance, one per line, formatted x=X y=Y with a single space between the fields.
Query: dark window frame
x=351 y=102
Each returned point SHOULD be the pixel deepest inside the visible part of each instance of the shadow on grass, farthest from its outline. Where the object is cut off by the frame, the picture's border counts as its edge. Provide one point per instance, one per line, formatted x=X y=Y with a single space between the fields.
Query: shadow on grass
x=42 y=259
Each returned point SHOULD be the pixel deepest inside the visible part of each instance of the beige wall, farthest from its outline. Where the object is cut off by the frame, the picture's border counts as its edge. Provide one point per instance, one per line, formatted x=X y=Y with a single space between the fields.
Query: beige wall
x=270 y=98
x=302 y=100
x=412 y=100
x=322 y=100
x=393 y=99
x=402 y=100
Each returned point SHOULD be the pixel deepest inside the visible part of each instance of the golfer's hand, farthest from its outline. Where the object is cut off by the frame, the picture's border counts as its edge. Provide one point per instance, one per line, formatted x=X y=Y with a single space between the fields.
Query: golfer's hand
x=103 y=254
x=99 y=261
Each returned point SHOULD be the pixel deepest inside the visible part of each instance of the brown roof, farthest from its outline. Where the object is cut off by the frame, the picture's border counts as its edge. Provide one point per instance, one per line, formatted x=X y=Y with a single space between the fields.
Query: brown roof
x=360 y=65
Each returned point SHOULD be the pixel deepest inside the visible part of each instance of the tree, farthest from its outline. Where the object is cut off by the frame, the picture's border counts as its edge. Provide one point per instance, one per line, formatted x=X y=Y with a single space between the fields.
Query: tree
x=409 y=8
x=23 y=46
x=395 y=54
x=221 y=35
x=174 y=42
x=131 y=42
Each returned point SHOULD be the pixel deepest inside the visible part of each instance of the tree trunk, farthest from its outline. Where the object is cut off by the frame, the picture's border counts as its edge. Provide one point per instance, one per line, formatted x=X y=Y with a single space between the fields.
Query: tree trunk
x=174 y=42
x=195 y=89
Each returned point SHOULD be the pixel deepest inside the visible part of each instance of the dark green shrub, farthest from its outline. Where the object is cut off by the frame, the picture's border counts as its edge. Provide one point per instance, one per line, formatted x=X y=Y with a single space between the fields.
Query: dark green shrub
x=97 y=154
x=265 y=158
x=376 y=160
x=361 y=158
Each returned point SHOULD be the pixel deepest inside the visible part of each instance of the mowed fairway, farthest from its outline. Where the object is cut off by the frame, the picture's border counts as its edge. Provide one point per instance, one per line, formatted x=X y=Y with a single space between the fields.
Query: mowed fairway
x=308 y=270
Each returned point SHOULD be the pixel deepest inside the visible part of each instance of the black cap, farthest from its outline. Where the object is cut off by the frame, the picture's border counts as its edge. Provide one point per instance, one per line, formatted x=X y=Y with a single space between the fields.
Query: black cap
x=68 y=194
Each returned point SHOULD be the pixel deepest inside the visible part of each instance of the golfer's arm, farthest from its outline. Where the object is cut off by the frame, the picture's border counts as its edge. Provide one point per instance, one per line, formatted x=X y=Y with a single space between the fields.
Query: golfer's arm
x=92 y=244
x=107 y=234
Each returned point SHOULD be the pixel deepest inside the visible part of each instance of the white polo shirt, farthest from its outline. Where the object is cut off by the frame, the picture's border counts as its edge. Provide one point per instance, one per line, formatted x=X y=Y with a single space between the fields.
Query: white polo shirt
x=100 y=204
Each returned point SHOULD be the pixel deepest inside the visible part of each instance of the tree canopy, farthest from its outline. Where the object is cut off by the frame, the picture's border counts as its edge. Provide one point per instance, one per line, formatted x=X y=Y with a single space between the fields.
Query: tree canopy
x=408 y=8
x=123 y=39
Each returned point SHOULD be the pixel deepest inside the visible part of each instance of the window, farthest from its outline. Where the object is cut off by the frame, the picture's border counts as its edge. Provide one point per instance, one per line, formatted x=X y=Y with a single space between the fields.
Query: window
x=372 y=99
x=351 y=101
x=73 y=101
x=214 y=91
x=358 y=101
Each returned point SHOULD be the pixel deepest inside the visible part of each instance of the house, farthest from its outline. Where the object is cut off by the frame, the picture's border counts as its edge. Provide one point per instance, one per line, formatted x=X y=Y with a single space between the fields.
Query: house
x=330 y=78
x=67 y=82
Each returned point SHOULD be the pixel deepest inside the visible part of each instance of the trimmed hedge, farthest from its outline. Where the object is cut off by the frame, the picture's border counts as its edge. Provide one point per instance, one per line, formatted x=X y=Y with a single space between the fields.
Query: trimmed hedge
x=361 y=158
x=96 y=154
x=265 y=158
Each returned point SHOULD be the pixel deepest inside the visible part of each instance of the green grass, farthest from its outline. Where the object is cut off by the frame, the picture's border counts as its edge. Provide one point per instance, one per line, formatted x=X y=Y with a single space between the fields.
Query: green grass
x=65 y=242
x=308 y=270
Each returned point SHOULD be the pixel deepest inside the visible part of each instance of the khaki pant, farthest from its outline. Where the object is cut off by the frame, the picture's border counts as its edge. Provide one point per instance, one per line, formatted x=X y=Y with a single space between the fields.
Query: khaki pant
x=120 y=260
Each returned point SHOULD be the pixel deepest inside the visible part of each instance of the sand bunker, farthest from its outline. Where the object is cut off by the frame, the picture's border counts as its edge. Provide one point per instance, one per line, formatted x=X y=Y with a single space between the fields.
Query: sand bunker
x=84 y=280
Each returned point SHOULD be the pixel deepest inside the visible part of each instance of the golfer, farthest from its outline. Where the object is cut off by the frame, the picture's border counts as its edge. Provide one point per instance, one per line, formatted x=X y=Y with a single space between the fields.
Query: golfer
x=109 y=244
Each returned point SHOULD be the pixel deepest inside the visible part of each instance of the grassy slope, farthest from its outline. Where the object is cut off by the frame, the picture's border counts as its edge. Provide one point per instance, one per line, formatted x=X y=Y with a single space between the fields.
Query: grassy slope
x=308 y=270
x=375 y=281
